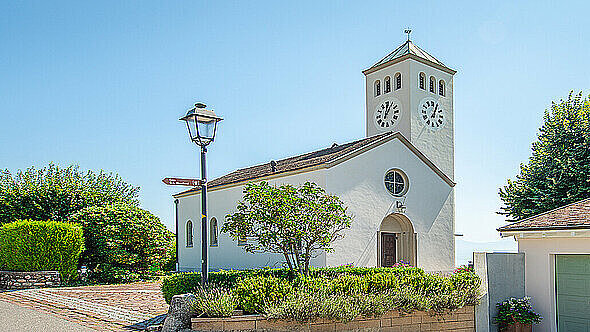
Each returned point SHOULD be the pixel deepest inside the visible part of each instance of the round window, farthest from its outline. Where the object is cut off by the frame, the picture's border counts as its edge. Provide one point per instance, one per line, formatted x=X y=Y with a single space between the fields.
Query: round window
x=396 y=182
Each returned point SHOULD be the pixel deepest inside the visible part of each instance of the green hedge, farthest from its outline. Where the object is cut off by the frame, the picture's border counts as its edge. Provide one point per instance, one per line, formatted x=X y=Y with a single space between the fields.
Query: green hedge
x=188 y=282
x=28 y=245
x=331 y=293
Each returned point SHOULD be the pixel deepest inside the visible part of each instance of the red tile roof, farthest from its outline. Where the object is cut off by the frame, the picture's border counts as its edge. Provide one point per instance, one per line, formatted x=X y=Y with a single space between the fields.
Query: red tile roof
x=292 y=163
x=316 y=158
x=571 y=216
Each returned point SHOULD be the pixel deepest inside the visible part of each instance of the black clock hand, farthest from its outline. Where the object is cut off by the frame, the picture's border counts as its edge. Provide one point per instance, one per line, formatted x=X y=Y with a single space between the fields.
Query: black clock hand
x=434 y=112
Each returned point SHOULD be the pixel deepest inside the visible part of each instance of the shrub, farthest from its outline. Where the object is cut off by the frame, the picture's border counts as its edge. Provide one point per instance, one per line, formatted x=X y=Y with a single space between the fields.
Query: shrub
x=180 y=283
x=55 y=193
x=28 y=245
x=516 y=311
x=341 y=279
x=256 y=293
x=214 y=302
x=348 y=284
x=123 y=242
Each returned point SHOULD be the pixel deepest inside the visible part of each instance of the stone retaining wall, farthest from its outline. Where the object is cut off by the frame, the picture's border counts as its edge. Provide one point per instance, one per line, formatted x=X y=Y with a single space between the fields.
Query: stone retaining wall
x=460 y=320
x=23 y=280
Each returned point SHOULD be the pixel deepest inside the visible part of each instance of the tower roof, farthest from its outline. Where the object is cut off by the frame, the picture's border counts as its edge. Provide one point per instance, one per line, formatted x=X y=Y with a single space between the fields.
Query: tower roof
x=405 y=51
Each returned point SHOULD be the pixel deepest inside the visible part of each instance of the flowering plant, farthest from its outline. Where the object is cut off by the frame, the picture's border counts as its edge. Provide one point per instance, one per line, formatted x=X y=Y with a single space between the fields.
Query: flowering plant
x=514 y=311
x=463 y=269
x=401 y=263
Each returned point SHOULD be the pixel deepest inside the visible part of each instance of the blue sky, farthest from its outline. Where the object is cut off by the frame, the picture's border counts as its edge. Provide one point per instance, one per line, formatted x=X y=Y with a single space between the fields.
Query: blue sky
x=103 y=84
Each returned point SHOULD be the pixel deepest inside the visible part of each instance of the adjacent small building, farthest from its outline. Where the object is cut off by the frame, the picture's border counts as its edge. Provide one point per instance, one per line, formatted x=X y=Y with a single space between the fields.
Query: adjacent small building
x=556 y=245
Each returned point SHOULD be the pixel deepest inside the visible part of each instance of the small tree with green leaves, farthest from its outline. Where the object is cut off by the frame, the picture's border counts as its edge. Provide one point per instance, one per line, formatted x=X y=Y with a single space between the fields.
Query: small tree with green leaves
x=297 y=222
x=54 y=193
x=558 y=172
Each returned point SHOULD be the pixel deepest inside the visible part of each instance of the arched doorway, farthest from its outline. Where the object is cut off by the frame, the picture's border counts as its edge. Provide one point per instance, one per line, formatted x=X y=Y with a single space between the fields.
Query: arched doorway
x=396 y=241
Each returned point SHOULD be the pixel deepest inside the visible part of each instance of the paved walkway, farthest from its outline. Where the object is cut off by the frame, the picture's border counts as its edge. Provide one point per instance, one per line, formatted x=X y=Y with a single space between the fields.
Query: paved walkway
x=104 y=307
x=16 y=318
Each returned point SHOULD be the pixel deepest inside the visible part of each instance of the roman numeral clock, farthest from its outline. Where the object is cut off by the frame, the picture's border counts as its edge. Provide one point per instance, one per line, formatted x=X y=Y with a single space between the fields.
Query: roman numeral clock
x=388 y=113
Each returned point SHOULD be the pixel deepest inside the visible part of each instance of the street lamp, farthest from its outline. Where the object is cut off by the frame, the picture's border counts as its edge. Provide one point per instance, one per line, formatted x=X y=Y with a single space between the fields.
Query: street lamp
x=202 y=124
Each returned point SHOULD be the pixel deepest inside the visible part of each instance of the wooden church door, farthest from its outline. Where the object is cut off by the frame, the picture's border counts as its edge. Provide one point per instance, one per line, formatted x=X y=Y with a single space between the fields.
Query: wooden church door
x=388 y=249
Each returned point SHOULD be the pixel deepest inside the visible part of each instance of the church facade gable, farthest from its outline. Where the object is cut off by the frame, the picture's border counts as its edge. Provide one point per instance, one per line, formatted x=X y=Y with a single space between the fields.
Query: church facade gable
x=360 y=183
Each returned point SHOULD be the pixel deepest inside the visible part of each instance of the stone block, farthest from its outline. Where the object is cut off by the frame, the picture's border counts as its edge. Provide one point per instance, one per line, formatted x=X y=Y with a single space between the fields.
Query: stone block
x=411 y=328
x=322 y=327
x=179 y=313
x=207 y=325
x=238 y=323
x=368 y=324
x=391 y=329
x=401 y=321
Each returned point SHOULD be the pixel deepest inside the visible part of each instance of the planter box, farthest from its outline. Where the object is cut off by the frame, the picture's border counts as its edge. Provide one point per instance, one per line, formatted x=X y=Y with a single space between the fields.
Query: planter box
x=518 y=327
x=23 y=280
x=460 y=320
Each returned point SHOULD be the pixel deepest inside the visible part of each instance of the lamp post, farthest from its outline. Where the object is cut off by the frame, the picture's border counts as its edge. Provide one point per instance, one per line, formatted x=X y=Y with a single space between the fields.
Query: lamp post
x=202 y=124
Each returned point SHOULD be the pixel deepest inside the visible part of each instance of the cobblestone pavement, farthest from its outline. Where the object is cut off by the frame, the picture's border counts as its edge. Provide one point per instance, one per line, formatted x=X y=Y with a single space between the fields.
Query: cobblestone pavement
x=103 y=307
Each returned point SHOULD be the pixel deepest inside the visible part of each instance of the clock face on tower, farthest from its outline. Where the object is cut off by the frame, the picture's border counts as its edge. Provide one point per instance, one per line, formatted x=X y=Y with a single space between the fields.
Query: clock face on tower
x=388 y=113
x=431 y=114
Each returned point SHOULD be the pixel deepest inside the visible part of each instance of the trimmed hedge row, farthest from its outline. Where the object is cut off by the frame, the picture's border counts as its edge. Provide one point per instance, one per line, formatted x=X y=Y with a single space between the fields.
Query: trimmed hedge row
x=336 y=294
x=29 y=245
x=188 y=282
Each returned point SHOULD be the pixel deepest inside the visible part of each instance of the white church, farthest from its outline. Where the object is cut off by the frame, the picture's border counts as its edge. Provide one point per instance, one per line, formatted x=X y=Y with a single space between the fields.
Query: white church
x=397 y=182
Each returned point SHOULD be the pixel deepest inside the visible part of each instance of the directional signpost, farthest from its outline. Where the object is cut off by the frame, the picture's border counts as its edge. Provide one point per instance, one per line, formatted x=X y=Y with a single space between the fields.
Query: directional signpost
x=183 y=182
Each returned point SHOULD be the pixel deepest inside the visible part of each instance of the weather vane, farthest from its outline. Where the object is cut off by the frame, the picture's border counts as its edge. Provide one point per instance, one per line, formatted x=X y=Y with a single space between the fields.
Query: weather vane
x=408 y=31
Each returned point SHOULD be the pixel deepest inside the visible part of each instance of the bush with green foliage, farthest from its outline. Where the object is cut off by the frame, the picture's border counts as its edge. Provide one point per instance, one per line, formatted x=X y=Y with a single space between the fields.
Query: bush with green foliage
x=514 y=311
x=342 y=293
x=255 y=294
x=54 y=193
x=214 y=302
x=558 y=170
x=187 y=282
x=123 y=242
x=28 y=245
x=296 y=222
x=430 y=293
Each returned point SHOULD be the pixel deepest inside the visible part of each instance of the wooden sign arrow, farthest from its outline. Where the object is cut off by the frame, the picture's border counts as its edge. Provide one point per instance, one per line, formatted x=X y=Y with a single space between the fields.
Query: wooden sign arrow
x=183 y=182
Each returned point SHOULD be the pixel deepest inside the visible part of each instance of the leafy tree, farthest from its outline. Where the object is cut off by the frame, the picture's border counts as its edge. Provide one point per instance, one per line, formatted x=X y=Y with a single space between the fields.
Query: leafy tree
x=53 y=193
x=123 y=242
x=298 y=223
x=558 y=172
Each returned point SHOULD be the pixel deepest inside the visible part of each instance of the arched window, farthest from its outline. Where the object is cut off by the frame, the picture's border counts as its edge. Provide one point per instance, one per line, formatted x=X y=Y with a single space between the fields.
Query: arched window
x=387 y=82
x=213 y=239
x=432 y=84
x=441 y=88
x=189 y=233
x=398 y=81
x=422 y=81
x=377 y=88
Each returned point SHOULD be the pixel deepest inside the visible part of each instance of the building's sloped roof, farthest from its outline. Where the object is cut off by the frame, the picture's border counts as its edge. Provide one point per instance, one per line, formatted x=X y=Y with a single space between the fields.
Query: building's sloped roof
x=575 y=215
x=408 y=48
x=316 y=158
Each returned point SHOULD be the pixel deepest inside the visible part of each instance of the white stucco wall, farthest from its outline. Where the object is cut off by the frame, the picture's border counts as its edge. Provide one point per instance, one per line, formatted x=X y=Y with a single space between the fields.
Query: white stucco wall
x=359 y=183
x=228 y=255
x=540 y=272
x=438 y=145
x=403 y=95
x=429 y=200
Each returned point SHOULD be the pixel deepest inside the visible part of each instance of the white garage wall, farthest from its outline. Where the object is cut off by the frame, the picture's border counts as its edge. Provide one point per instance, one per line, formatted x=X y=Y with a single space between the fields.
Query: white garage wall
x=540 y=272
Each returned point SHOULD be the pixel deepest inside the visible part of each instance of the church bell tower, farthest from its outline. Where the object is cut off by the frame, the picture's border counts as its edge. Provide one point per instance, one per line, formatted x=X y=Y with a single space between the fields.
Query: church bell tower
x=411 y=92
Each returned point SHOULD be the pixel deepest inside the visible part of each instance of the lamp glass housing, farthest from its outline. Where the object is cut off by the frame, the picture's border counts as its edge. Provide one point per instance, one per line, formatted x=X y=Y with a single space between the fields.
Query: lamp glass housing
x=201 y=124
